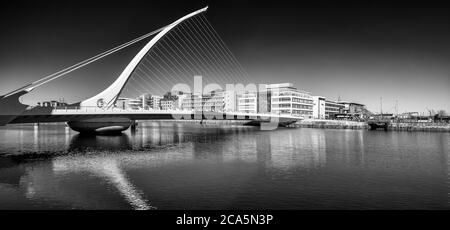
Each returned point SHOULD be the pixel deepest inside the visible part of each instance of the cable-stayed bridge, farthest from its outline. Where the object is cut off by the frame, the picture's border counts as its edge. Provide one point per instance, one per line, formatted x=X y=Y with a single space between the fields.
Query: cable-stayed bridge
x=175 y=54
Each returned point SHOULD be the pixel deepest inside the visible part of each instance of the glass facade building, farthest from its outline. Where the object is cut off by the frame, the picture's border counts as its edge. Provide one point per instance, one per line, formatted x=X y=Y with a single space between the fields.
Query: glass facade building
x=288 y=100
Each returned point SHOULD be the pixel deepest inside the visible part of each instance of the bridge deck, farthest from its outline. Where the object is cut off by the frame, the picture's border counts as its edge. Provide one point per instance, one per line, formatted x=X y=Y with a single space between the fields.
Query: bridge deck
x=41 y=114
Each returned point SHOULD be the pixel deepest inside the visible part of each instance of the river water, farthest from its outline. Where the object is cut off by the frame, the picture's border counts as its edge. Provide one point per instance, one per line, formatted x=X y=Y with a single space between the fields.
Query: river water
x=166 y=165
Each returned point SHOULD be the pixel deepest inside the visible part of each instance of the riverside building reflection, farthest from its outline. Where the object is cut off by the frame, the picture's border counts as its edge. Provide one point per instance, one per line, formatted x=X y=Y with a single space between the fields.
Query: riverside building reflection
x=222 y=167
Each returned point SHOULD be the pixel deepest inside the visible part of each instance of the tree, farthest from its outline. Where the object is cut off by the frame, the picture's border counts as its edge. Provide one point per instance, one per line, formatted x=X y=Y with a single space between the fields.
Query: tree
x=171 y=97
x=441 y=113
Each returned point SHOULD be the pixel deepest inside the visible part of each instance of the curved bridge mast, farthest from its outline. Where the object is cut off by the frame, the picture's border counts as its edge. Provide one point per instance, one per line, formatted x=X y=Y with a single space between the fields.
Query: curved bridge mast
x=10 y=106
x=109 y=96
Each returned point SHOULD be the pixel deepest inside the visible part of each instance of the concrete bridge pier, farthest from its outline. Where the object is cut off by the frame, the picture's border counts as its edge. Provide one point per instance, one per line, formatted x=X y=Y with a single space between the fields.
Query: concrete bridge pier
x=102 y=125
x=133 y=126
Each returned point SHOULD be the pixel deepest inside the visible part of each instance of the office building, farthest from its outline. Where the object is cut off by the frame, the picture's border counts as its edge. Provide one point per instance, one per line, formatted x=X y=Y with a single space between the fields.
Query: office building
x=247 y=102
x=354 y=109
x=167 y=104
x=155 y=102
x=288 y=100
x=333 y=108
x=192 y=102
x=319 y=107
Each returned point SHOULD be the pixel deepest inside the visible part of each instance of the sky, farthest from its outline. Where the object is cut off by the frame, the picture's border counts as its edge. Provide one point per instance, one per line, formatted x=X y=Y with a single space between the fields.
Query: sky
x=357 y=51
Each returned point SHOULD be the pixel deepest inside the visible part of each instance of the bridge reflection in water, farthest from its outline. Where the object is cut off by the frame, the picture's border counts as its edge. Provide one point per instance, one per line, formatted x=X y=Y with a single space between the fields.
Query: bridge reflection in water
x=104 y=158
x=183 y=166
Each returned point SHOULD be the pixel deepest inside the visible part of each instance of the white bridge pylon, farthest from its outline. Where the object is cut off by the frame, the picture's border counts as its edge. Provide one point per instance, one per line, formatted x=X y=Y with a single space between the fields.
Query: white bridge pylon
x=107 y=98
x=194 y=46
x=11 y=107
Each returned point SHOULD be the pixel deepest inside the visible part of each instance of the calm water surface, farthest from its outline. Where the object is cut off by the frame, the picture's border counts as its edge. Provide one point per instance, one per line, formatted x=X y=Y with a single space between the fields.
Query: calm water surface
x=185 y=166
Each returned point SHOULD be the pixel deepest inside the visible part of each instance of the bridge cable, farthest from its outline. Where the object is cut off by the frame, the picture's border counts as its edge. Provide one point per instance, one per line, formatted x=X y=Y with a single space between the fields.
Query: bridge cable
x=215 y=57
x=221 y=69
x=204 y=54
x=233 y=57
x=224 y=49
x=165 y=60
x=176 y=57
x=81 y=64
x=179 y=71
x=192 y=54
x=166 y=67
x=218 y=50
x=193 y=47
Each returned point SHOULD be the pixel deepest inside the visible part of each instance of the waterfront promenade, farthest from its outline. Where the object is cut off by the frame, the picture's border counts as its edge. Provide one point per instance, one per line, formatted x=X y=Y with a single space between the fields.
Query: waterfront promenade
x=393 y=126
x=430 y=127
x=330 y=124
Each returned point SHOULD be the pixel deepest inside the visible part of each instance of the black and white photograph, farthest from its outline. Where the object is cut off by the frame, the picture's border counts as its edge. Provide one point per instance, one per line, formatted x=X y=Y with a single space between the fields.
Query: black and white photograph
x=224 y=112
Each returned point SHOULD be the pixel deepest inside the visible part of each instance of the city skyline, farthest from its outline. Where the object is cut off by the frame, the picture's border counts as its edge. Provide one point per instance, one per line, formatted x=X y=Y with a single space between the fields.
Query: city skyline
x=249 y=110
x=396 y=52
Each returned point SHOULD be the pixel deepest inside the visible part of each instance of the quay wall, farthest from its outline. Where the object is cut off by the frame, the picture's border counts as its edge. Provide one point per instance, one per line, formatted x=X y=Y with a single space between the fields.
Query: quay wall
x=330 y=124
x=341 y=124
x=334 y=124
x=423 y=127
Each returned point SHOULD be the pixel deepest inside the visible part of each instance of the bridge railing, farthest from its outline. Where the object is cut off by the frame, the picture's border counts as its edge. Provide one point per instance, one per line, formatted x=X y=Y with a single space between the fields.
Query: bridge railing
x=95 y=109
